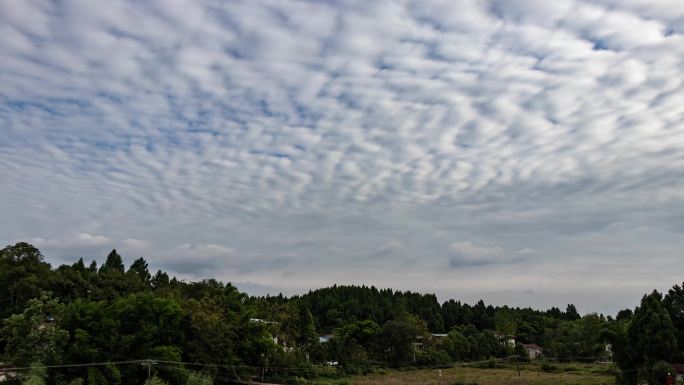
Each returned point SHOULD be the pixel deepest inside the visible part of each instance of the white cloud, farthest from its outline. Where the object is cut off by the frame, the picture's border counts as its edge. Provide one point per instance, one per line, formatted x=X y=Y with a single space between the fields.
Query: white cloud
x=82 y=240
x=353 y=126
x=136 y=243
x=463 y=254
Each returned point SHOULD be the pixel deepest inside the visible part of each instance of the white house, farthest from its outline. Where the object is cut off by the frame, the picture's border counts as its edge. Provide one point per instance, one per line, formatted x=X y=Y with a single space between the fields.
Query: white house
x=505 y=339
x=535 y=351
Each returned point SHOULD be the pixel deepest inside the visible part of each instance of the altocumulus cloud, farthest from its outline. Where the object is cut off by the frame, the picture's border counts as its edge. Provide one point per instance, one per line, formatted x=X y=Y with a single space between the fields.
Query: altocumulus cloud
x=413 y=144
x=467 y=254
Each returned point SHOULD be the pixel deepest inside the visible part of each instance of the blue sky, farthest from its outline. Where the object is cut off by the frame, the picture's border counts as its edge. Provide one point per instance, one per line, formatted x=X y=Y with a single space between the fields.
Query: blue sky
x=525 y=152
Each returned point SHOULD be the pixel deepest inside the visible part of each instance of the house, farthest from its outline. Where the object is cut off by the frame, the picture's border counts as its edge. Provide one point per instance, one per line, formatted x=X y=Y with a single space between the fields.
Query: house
x=607 y=356
x=262 y=321
x=505 y=339
x=439 y=336
x=272 y=329
x=679 y=373
x=417 y=344
x=6 y=375
x=533 y=350
x=47 y=322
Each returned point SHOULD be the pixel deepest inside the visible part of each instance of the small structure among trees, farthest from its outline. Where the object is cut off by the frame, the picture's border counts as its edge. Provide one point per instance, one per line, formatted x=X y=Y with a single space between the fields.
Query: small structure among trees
x=534 y=351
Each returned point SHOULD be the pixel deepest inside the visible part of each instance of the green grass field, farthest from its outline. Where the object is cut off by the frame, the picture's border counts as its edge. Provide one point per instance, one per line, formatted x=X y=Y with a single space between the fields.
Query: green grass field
x=570 y=374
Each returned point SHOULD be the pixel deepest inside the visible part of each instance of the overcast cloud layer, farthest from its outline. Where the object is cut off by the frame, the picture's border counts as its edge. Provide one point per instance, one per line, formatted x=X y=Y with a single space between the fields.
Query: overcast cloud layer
x=523 y=152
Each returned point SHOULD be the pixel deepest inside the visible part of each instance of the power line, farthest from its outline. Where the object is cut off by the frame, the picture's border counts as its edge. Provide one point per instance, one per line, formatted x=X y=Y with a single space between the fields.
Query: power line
x=15 y=369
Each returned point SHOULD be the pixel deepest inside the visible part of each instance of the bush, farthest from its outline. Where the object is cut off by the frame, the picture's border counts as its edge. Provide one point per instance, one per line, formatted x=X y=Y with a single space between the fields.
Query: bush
x=198 y=379
x=155 y=381
x=658 y=373
x=35 y=376
x=547 y=367
x=296 y=381
x=435 y=357
x=489 y=364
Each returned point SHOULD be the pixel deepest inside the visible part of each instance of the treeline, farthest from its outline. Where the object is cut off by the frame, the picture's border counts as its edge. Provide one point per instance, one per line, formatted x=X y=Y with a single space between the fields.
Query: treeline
x=199 y=331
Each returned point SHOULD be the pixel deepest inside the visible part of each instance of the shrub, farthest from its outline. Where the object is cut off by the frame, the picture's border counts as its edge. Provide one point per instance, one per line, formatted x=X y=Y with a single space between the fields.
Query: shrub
x=658 y=373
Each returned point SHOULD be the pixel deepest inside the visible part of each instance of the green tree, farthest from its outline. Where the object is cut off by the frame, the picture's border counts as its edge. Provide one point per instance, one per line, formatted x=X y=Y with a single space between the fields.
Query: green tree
x=458 y=346
x=521 y=353
x=72 y=282
x=399 y=338
x=506 y=322
x=160 y=280
x=111 y=282
x=34 y=336
x=659 y=372
x=571 y=313
x=139 y=275
x=354 y=344
x=306 y=331
x=23 y=275
x=674 y=303
x=156 y=381
x=113 y=263
x=199 y=379
x=35 y=376
x=650 y=336
x=651 y=332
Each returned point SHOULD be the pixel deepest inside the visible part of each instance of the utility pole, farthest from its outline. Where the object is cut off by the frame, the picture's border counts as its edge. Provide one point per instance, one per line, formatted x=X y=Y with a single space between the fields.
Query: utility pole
x=149 y=363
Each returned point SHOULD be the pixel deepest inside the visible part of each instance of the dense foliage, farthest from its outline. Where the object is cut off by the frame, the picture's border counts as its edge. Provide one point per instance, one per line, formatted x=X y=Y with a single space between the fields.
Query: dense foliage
x=111 y=318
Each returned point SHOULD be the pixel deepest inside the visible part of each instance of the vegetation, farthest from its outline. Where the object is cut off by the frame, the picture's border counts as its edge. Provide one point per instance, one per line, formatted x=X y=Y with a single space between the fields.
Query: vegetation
x=498 y=376
x=128 y=326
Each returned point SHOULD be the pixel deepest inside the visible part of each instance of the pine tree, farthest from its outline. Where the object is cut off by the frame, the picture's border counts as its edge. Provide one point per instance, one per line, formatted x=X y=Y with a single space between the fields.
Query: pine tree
x=651 y=335
x=114 y=263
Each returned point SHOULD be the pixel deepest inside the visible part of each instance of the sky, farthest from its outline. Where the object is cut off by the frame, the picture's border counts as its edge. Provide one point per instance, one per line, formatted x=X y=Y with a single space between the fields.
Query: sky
x=526 y=152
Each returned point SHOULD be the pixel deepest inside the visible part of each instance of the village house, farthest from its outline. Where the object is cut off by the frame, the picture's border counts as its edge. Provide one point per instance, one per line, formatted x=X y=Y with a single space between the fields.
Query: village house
x=533 y=350
x=607 y=356
x=505 y=339
x=6 y=375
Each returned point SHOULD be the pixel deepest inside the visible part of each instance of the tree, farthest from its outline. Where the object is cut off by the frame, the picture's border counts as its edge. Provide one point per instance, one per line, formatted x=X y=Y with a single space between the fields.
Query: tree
x=34 y=336
x=571 y=313
x=210 y=336
x=650 y=336
x=35 y=376
x=23 y=275
x=199 y=379
x=140 y=272
x=160 y=280
x=674 y=303
x=306 y=331
x=111 y=282
x=354 y=344
x=458 y=346
x=155 y=381
x=113 y=263
x=624 y=315
x=397 y=338
x=521 y=353
x=72 y=282
x=506 y=322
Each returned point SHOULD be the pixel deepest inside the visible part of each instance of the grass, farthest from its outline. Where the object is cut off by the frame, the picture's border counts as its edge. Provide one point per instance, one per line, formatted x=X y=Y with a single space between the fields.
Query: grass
x=565 y=375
